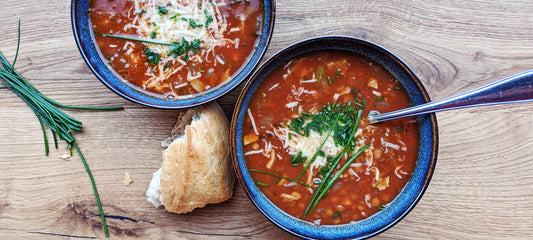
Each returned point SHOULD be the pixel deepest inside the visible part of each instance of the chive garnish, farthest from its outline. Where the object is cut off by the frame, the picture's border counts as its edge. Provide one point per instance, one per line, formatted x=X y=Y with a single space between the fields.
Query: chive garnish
x=262 y=184
x=338 y=74
x=209 y=18
x=316 y=153
x=175 y=16
x=178 y=48
x=47 y=112
x=323 y=188
x=281 y=177
x=192 y=23
x=153 y=58
x=382 y=207
x=337 y=214
x=166 y=66
x=379 y=98
x=162 y=10
x=330 y=182
x=327 y=181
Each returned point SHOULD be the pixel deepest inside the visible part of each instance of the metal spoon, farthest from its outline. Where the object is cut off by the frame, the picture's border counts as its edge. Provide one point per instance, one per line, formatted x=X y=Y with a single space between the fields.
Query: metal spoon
x=514 y=89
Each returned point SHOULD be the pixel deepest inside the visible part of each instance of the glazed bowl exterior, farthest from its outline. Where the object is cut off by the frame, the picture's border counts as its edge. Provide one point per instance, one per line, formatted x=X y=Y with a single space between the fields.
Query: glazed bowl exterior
x=412 y=191
x=84 y=36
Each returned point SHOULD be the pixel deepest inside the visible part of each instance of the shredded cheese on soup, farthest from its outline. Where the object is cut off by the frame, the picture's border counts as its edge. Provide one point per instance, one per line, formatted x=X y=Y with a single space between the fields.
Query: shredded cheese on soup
x=197 y=20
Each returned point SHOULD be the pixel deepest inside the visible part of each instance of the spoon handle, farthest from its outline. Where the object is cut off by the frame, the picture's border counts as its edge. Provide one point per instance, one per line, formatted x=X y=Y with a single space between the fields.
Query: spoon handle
x=514 y=89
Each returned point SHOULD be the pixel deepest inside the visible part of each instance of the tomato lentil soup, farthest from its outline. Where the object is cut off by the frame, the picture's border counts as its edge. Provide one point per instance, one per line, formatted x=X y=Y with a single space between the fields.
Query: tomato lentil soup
x=210 y=42
x=281 y=159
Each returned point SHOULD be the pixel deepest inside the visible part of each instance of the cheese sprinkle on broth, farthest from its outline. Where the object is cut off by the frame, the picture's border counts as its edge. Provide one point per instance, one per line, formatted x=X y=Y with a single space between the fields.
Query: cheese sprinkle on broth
x=177 y=28
x=212 y=40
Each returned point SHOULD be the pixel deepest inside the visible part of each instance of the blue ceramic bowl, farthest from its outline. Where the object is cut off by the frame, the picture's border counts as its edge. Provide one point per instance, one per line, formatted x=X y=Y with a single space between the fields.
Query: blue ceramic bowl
x=84 y=36
x=414 y=188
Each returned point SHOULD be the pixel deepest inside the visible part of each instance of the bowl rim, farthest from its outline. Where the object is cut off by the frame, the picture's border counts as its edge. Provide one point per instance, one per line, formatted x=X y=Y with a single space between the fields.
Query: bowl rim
x=91 y=55
x=417 y=184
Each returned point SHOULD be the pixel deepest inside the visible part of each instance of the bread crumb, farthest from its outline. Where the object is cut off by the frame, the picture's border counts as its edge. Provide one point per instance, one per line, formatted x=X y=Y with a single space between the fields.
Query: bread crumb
x=127 y=179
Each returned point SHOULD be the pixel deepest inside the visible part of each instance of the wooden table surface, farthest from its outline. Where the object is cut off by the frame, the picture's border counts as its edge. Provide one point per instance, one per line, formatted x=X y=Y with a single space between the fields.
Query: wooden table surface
x=482 y=187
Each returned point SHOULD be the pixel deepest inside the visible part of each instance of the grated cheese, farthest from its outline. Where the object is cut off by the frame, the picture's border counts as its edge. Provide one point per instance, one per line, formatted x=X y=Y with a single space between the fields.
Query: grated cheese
x=175 y=26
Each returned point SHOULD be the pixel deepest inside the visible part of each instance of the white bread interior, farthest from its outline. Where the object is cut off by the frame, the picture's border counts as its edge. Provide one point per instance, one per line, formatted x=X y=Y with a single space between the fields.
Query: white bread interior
x=196 y=168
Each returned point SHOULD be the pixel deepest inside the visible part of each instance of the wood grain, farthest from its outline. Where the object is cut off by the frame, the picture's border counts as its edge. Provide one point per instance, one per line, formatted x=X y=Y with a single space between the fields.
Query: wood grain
x=481 y=188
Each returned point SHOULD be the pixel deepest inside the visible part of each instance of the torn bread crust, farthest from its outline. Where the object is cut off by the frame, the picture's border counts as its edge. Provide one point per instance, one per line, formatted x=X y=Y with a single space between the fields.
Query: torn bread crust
x=184 y=118
x=196 y=168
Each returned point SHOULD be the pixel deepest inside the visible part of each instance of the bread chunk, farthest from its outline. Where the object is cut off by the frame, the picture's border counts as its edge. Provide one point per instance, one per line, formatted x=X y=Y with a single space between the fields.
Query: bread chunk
x=196 y=168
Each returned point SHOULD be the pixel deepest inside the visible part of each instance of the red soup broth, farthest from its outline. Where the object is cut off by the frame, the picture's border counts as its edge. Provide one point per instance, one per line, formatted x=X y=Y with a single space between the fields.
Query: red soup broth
x=306 y=84
x=220 y=35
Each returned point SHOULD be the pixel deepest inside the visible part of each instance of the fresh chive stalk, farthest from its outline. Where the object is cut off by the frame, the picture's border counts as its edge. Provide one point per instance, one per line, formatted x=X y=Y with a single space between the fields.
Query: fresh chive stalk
x=281 y=177
x=327 y=182
x=47 y=112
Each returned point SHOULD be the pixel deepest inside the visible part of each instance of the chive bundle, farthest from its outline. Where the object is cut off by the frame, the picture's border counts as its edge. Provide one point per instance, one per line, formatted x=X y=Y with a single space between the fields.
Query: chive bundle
x=47 y=112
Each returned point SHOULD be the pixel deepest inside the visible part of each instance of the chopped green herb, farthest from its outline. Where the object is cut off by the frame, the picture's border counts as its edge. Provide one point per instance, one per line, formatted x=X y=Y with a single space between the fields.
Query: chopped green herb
x=382 y=207
x=325 y=119
x=141 y=12
x=192 y=23
x=330 y=160
x=153 y=58
x=262 y=184
x=379 y=98
x=337 y=214
x=400 y=129
x=162 y=10
x=396 y=88
x=166 y=66
x=185 y=47
x=298 y=159
x=209 y=18
x=338 y=74
x=175 y=17
x=153 y=34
